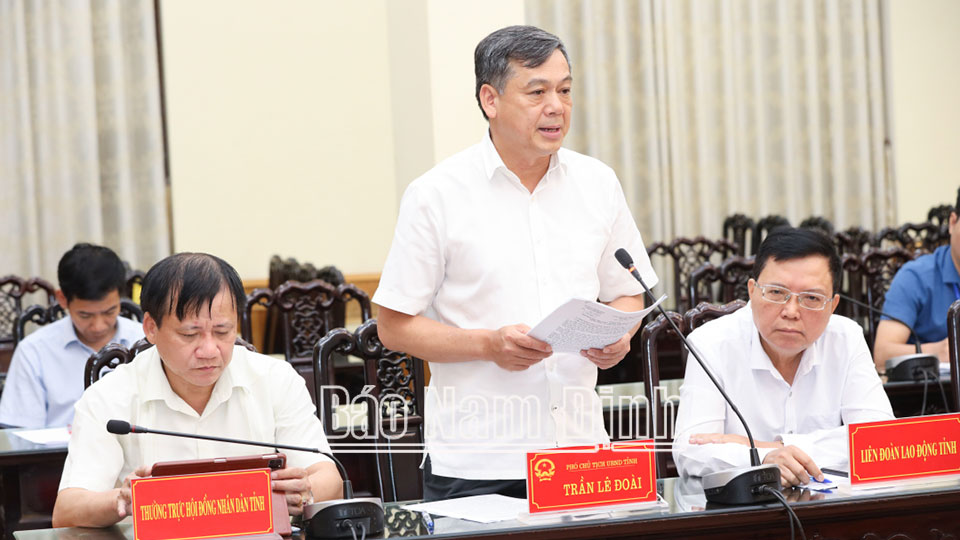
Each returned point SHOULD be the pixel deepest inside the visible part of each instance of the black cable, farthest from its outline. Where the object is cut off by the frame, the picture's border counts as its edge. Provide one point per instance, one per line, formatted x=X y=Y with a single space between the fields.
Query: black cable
x=943 y=393
x=363 y=531
x=791 y=515
x=926 y=384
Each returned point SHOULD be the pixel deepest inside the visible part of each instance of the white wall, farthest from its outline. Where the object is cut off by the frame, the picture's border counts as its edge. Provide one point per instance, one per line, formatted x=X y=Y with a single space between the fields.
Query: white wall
x=280 y=131
x=925 y=78
x=294 y=126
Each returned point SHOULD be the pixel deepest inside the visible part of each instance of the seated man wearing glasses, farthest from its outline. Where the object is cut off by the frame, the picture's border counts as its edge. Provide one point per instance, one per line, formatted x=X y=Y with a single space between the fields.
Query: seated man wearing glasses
x=798 y=373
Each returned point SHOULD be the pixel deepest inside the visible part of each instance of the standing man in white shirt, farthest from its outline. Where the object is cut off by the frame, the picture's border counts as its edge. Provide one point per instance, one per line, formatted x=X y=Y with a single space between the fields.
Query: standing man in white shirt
x=46 y=371
x=489 y=242
x=798 y=373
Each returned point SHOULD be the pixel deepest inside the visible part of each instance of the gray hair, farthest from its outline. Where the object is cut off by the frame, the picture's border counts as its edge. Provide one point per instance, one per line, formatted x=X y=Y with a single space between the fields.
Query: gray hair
x=528 y=45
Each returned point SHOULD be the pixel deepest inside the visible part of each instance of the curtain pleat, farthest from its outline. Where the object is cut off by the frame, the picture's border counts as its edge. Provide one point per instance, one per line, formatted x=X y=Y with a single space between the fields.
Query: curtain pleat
x=81 y=139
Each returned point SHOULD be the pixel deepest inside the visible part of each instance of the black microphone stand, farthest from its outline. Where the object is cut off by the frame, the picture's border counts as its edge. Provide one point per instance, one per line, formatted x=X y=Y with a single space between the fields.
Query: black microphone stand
x=744 y=485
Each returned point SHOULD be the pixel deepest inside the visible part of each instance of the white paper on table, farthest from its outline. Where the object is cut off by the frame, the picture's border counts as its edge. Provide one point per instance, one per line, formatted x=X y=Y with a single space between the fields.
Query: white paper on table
x=584 y=324
x=480 y=508
x=45 y=436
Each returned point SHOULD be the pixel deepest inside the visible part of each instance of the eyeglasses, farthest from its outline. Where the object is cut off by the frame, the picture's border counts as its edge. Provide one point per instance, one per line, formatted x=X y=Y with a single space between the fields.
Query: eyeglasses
x=781 y=295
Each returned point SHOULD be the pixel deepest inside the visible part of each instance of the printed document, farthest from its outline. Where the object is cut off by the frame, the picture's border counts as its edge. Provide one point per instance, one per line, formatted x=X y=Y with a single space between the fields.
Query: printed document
x=584 y=324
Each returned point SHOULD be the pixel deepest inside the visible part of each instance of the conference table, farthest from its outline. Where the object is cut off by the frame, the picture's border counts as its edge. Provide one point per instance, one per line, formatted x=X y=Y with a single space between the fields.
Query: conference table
x=29 y=477
x=924 y=510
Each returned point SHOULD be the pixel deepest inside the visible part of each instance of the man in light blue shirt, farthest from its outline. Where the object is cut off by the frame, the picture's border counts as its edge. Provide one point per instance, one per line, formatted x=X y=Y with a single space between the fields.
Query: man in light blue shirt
x=920 y=295
x=46 y=372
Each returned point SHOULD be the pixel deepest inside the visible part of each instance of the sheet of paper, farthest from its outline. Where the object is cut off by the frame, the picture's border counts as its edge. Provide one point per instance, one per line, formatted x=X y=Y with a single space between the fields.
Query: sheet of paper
x=58 y=435
x=583 y=324
x=480 y=508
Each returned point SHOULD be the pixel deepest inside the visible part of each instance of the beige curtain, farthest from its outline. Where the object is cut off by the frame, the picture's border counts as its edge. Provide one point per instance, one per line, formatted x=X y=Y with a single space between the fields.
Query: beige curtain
x=707 y=108
x=81 y=148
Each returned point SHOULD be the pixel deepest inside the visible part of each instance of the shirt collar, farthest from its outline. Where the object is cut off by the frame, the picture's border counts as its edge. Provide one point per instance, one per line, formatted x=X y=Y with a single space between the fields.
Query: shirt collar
x=68 y=334
x=947 y=269
x=156 y=386
x=492 y=162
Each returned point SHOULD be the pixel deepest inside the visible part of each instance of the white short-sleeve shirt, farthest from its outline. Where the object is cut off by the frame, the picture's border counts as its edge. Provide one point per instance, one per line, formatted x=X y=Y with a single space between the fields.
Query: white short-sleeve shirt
x=835 y=385
x=257 y=398
x=475 y=249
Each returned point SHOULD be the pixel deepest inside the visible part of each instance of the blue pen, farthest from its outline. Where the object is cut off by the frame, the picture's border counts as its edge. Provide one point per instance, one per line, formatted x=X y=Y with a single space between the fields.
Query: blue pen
x=427 y=521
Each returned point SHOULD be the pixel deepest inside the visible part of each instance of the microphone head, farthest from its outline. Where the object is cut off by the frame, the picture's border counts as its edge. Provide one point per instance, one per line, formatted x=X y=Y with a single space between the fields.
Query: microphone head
x=624 y=258
x=118 y=427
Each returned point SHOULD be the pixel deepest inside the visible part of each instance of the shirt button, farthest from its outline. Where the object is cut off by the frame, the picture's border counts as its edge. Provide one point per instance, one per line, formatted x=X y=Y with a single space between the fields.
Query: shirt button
x=789 y=432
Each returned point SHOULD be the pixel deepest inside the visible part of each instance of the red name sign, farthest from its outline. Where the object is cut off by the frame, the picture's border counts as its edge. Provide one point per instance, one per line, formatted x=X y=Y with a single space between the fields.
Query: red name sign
x=207 y=505
x=586 y=477
x=904 y=448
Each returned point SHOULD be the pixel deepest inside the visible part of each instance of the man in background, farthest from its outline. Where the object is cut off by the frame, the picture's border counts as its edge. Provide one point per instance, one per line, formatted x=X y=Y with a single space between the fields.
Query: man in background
x=488 y=243
x=920 y=295
x=46 y=372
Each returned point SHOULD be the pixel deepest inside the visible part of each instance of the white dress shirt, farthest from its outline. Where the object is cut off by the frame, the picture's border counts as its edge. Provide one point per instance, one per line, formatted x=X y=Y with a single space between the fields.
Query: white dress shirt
x=257 y=398
x=46 y=373
x=835 y=385
x=475 y=249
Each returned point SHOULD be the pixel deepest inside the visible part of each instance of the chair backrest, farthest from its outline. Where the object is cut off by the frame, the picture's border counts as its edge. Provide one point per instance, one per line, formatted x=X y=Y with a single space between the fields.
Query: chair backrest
x=953 y=341
x=819 y=223
x=876 y=268
x=42 y=315
x=723 y=283
x=109 y=358
x=764 y=226
x=652 y=336
x=919 y=238
x=394 y=399
x=853 y=240
x=12 y=291
x=133 y=283
x=282 y=271
x=112 y=355
x=687 y=255
x=306 y=311
x=940 y=216
x=736 y=228
x=705 y=312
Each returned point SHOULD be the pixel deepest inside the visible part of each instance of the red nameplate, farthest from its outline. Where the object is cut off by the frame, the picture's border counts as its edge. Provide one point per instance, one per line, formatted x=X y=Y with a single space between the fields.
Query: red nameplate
x=207 y=505
x=584 y=477
x=904 y=448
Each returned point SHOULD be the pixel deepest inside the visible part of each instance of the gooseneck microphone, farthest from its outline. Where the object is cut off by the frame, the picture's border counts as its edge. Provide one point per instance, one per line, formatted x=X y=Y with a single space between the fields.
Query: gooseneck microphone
x=905 y=367
x=327 y=519
x=744 y=485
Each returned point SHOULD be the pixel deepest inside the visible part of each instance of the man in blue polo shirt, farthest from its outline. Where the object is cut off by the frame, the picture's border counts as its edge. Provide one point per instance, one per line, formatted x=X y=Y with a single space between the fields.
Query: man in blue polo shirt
x=920 y=295
x=46 y=372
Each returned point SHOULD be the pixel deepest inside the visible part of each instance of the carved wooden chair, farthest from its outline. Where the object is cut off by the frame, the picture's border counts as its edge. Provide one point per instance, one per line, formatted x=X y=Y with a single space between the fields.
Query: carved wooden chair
x=940 y=216
x=876 y=268
x=307 y=312
x=42 y=315
x=687 y=255
x=282 y=271
x=736 y=228
x=112 y=355
x=12 y=292
x=764 y=226
x=705 y=312
x=133 y=283
x=819 y=223
x=853 y=240
x=953 y=339
x=921 y=238
x=723 y=283
x=393 y=396
x=653 y=368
